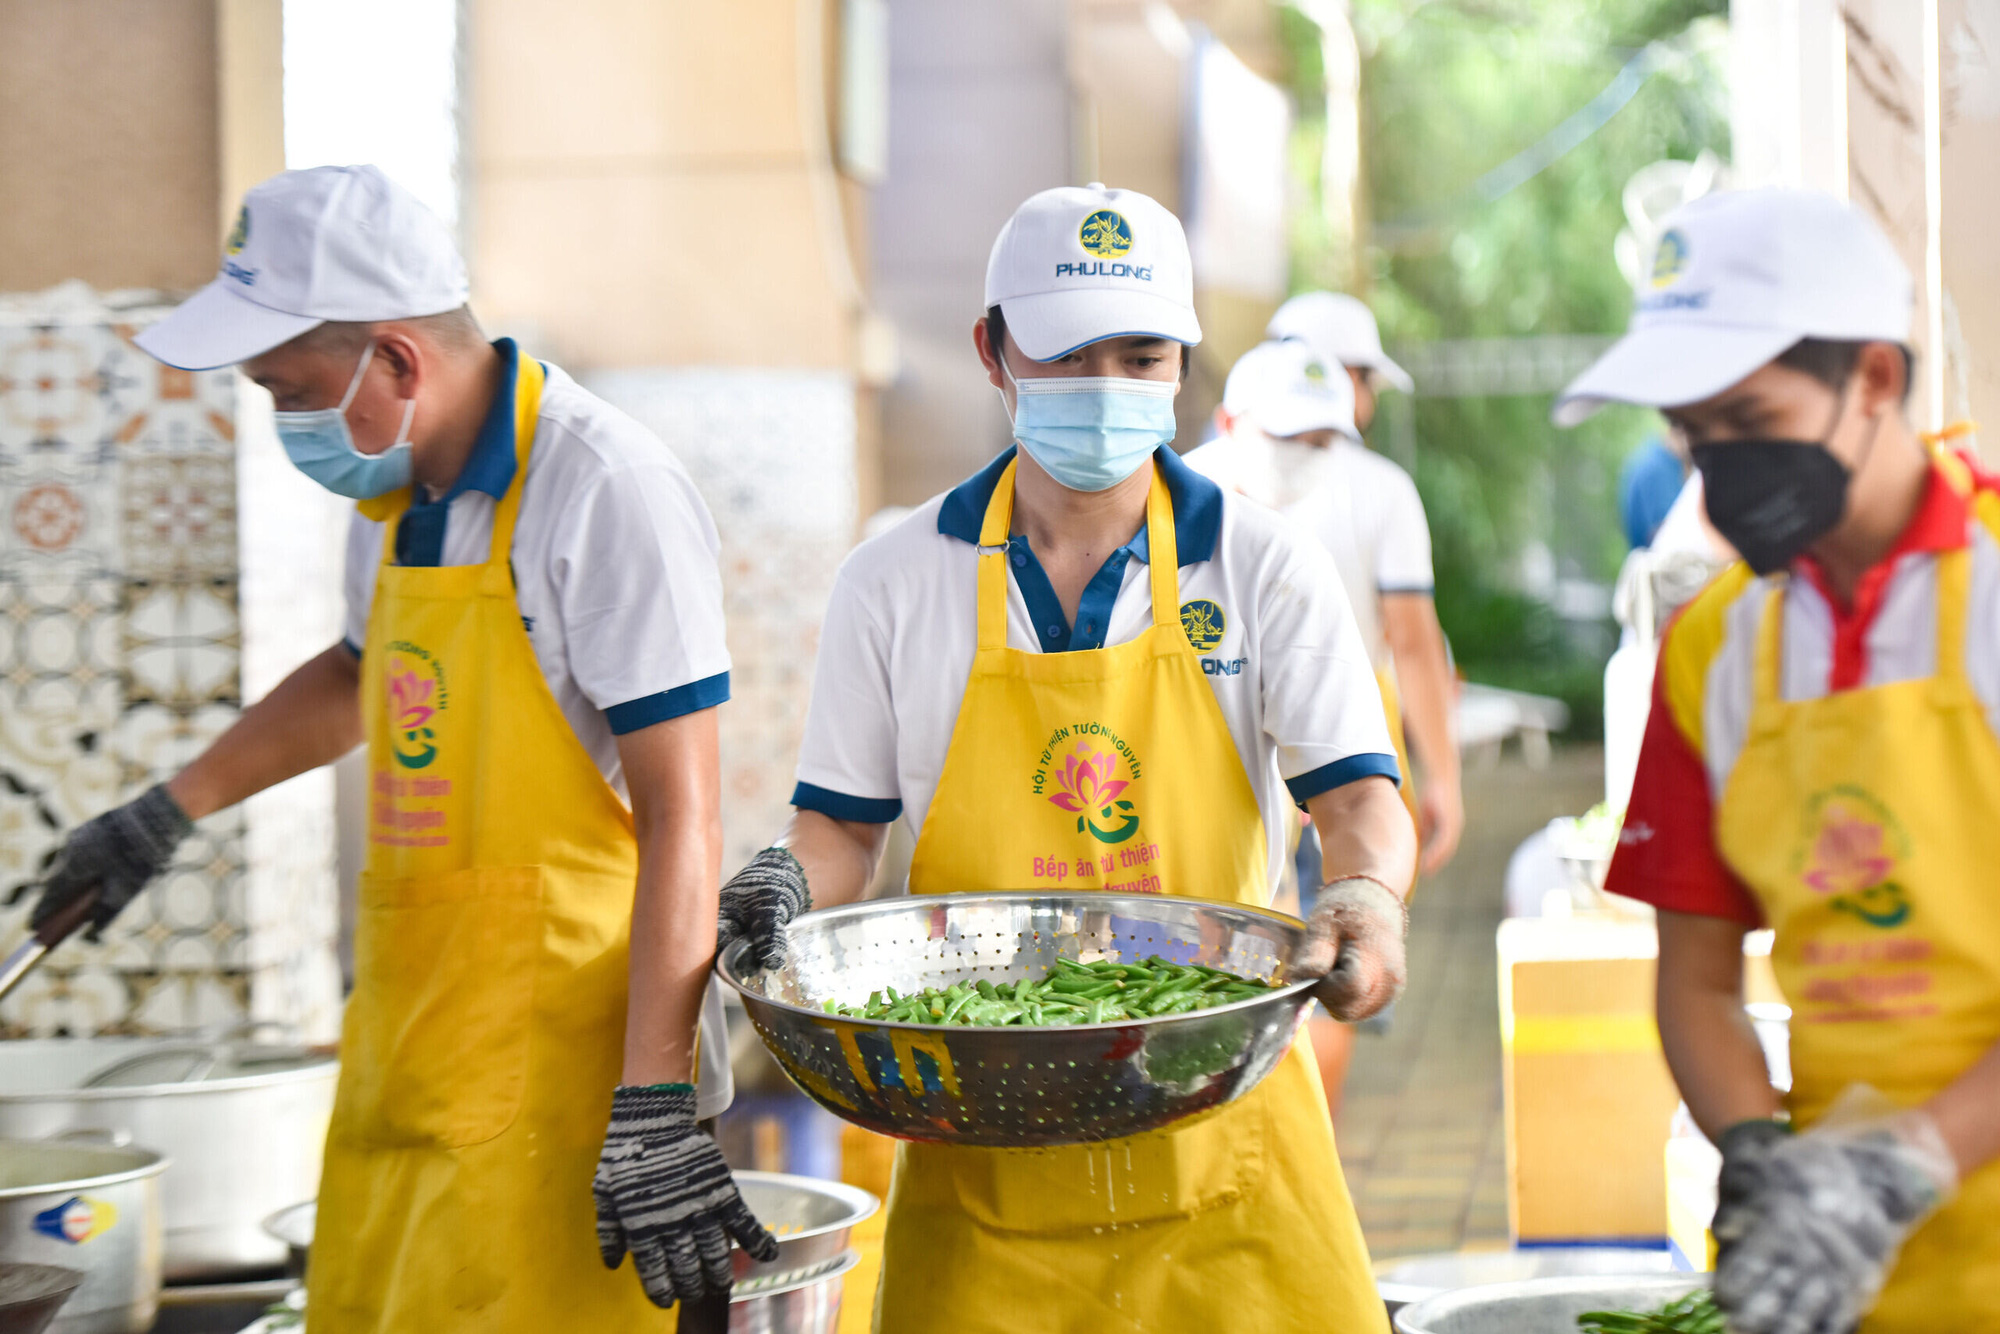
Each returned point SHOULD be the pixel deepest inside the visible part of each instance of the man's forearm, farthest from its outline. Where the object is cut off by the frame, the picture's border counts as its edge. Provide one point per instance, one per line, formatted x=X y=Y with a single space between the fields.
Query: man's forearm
x=1967 y=1113
x=313 y=717
x=838 y=856
x=1364 y=829
x=1709 y=1042
x=1423 y=673
x=672 y=770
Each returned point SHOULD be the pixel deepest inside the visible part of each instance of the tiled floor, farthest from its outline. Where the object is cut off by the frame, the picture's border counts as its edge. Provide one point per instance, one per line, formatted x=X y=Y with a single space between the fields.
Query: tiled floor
x=1420 y=1131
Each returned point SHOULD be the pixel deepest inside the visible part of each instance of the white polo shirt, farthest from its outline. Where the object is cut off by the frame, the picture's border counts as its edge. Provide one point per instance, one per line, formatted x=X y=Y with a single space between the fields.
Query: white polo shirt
x=1291 y=674
x=614 y=563
x=615 y=571
x=1367 y=514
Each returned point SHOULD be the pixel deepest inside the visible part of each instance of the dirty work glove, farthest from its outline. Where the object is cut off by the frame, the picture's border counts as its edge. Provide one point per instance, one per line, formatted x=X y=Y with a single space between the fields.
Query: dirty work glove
x=118 y=852
x=759 y=900
x=1746 y=1155
x=1354 y=945
x=665 y=1194
x=1827 y=1213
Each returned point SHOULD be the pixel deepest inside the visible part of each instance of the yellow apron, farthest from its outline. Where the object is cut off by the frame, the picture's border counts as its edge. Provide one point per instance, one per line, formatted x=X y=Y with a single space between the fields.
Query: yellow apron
x=1112 y=769
x=485 y=1032
x=1864 y=823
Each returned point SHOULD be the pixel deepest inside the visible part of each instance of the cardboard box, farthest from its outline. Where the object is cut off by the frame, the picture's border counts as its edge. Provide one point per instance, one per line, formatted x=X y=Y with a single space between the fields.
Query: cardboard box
x=1589 y=1098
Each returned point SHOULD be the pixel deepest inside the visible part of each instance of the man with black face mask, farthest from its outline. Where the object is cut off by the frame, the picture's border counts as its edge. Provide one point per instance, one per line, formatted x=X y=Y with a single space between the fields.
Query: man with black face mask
x=1822 y=758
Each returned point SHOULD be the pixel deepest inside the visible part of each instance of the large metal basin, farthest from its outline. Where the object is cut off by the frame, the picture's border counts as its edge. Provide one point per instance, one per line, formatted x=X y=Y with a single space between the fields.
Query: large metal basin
x=812 y=1220
x=244 y=1124
x=30 y=1295
x=808 y=1305
x=1540 y=1305
x=1412 y=1278
x=1016 y=1087
x=91 y=1208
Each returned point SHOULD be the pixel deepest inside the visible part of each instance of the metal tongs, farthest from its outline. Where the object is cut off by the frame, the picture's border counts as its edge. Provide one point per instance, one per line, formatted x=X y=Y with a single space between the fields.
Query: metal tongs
x=60 y=927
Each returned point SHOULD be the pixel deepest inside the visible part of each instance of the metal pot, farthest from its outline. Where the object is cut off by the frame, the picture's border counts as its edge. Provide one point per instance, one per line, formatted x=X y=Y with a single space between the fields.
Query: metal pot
x=90 y=1208
x=244 y=1123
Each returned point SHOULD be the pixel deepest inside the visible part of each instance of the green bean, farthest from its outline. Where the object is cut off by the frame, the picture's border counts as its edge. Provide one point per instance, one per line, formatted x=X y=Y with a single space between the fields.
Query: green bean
x=1069 y=992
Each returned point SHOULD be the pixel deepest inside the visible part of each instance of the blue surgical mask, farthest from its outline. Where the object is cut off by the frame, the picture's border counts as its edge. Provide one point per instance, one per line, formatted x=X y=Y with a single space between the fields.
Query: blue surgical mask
x=323 y=448
x=1092 y=432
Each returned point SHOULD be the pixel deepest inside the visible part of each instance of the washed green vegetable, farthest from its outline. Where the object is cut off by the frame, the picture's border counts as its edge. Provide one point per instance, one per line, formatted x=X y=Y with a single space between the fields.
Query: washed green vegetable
x=1070 y=993
x=1695 y=1313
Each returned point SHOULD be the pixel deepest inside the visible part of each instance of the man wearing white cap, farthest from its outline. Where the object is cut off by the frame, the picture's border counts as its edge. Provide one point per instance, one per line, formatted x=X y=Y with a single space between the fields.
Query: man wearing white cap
x=1366 y=509
x=1821 y=758
x=534 y=657
x=1342 y=331
x=1290 y=437
x=1088 y=668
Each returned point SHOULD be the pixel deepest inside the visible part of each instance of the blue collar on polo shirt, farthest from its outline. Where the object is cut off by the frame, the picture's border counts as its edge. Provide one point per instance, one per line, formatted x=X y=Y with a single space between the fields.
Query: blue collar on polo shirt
x=489 y=469
x=1197 y=527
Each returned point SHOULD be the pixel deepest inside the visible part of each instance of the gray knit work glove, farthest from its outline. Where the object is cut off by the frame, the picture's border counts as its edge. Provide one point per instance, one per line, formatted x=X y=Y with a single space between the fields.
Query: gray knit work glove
x=759 y=900
x=665 y=1194
x=1354 y=945
x=118 y=853
x=1746 y=1158
x=1809 y=1252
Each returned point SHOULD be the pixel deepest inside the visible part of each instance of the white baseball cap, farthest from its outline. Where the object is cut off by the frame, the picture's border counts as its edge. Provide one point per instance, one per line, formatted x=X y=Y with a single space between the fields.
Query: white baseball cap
x=1739 y=277
x=325 y=243
x=1286 y=389
x=1078 y=264
x=1341 y=330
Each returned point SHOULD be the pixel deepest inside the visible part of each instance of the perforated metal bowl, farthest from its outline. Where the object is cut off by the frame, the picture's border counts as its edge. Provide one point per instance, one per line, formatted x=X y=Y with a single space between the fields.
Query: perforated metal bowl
x=1017 y=1087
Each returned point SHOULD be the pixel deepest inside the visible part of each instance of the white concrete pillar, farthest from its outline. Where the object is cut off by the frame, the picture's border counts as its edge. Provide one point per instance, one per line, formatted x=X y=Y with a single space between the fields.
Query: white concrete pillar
x=1969 y=310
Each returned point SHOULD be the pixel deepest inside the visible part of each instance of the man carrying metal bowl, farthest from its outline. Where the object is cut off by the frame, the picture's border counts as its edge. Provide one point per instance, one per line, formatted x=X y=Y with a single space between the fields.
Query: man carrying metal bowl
x=1087 y=667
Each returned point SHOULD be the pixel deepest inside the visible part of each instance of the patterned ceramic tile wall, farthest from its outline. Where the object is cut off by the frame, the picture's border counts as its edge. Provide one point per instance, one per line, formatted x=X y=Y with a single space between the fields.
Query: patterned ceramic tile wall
x=121 y=645
x=773 y=454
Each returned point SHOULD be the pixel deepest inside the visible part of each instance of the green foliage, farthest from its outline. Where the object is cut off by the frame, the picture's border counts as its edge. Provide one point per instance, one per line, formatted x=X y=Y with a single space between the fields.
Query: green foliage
x=1452 y=89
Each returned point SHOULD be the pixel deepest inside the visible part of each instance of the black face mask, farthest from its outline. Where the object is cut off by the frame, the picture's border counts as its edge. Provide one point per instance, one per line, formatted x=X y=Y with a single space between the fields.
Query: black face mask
x=1772 y=498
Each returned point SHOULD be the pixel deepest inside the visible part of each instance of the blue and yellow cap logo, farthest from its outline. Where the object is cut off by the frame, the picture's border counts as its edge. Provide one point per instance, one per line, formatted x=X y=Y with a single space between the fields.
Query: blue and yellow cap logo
x=1670 y=260
x=1105 y=234
x=239 y=234
x=1315 y=372
x=1203 y=623
x=77 y=1220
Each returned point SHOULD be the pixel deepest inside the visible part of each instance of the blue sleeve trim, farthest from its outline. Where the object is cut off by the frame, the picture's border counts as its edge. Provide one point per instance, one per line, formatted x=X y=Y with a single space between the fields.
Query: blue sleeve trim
x=676 y=703
x=350 y=646
x=1342 y=772
x=1420 y=590
x=840 y=806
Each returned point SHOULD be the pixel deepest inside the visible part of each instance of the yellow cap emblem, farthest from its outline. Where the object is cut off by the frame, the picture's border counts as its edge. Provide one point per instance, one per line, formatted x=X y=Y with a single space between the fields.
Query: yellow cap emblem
x=1105 y=234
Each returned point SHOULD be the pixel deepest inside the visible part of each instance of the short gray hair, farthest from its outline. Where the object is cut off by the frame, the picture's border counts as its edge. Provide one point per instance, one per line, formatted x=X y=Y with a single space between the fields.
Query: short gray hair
x=452 y=330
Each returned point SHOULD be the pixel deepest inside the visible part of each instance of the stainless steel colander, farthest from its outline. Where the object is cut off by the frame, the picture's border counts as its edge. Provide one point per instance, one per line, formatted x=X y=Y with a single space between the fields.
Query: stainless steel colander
x=1017 y=1087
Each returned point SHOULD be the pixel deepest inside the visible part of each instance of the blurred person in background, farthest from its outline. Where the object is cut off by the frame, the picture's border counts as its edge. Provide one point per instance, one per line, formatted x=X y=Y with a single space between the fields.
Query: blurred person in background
x=534 y=641
x=1821 y=758
x=1649 y=481
x=1087 y=577
x=1366 y=511
x=1288 y=439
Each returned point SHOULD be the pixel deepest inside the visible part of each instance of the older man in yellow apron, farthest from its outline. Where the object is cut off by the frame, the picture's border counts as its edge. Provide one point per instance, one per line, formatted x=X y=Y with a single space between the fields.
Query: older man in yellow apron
x=534 y=635
x=1179 y=668
x=1821 y=757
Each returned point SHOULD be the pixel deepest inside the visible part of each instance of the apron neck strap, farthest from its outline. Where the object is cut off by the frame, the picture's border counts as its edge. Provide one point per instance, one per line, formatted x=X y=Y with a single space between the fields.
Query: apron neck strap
x=528 y=380
x=1769 y=659
x=1163 y=569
